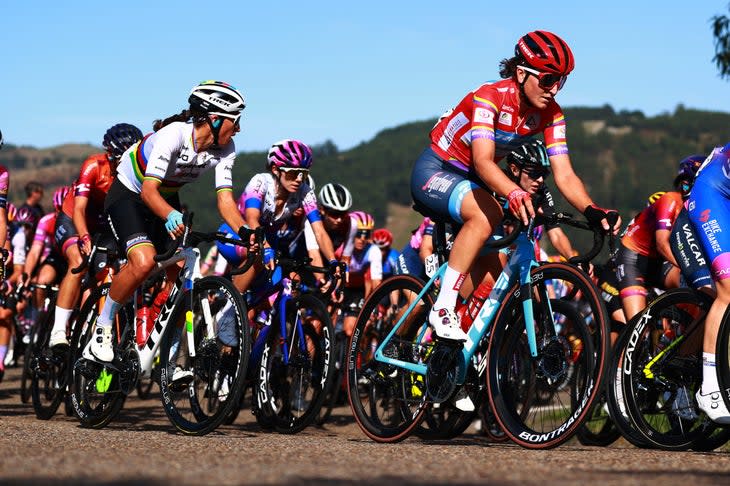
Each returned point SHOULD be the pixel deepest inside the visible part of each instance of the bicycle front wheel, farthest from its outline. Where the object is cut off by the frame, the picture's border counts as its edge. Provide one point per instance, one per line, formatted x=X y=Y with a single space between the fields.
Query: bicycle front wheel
x=389 y=402
x=203 y=356
x=96 y=393
x=540 y=401
x=297 y=366
x=659 y=378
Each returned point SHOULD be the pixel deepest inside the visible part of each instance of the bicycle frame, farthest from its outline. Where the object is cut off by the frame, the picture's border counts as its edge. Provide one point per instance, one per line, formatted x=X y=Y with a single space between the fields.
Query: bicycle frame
x=284 y=288
x=189 y=273
x=521 y=262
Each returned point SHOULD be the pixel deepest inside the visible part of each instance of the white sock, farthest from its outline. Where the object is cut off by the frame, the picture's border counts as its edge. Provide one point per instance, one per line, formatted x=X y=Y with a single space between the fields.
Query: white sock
x=108 y=312
x=450 y=285
x=709 y=374
x=61 y=319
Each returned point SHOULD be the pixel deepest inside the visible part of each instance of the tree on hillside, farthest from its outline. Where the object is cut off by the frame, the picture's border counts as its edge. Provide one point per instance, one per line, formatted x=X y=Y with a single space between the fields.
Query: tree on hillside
x=721 y=32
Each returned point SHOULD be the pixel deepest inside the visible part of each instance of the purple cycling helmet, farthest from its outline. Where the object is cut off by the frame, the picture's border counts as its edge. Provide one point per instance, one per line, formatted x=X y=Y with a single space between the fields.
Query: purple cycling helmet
x=290 y=154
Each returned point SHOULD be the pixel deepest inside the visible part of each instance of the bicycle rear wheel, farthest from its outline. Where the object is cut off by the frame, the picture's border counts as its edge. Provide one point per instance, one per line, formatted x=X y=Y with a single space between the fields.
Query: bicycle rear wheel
x=389 y=402
x=541 y=401
x=48 y=381
x=96 y=392
x=660 y=380
x=209 y=383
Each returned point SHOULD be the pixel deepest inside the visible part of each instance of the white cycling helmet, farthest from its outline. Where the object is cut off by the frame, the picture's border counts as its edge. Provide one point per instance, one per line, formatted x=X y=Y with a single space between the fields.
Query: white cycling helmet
x=217 y=98
x=335 y=197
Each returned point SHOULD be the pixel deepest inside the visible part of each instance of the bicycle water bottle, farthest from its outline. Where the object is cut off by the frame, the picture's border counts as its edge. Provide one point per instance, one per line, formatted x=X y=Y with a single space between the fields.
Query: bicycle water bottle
x=143 y=324
x=474 y=305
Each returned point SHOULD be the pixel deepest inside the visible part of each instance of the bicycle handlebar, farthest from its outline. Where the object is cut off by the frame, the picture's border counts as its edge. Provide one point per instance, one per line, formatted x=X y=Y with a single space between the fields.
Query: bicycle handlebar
x=192 y=238
x=599 y=235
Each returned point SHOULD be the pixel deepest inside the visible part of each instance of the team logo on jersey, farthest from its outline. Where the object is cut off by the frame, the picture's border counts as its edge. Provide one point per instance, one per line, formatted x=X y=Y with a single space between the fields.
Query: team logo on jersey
x=559 y=132
x=505 y=118
x=483 y=115
x=705 y=215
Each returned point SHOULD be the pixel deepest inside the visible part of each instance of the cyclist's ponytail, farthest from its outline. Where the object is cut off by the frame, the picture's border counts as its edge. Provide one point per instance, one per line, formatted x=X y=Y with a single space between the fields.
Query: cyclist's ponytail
x=184 y=116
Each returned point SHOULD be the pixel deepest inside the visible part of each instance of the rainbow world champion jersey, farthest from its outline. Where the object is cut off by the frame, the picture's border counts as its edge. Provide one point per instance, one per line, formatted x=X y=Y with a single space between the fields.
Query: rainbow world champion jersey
x=169 y=156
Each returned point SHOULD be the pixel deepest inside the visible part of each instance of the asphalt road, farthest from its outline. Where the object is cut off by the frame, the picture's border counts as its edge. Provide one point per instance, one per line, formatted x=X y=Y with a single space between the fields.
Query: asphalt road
x=142 y=447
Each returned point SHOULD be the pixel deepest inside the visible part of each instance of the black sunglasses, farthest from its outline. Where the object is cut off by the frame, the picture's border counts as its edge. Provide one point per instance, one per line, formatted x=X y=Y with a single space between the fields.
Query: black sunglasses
x=537 y=172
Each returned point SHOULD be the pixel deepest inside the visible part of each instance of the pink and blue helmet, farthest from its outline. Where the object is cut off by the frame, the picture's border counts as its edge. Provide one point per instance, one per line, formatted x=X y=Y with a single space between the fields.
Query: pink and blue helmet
x=291 y=154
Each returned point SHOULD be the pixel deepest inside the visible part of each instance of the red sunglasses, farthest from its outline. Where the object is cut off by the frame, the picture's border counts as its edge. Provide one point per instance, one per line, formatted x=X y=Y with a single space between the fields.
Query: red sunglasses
x=546 y=81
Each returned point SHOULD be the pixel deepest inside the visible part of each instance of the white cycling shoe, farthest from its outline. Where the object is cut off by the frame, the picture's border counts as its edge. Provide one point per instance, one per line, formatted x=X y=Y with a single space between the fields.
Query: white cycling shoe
x=58 y=338
x=714 y=406
x=100 y=347
x=446 y=324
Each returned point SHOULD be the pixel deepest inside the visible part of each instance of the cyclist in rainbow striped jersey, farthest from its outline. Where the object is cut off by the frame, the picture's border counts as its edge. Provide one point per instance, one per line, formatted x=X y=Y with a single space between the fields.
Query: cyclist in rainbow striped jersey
x=454 y=177
x=143 y=205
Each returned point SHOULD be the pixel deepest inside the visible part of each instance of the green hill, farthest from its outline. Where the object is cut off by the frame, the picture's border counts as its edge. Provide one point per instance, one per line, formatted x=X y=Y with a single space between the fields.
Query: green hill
x=621 y=156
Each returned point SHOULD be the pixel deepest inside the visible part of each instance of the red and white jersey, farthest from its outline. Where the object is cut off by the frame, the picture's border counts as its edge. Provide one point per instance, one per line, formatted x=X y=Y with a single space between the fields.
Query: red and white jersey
x=492 y=111
x=94 y=181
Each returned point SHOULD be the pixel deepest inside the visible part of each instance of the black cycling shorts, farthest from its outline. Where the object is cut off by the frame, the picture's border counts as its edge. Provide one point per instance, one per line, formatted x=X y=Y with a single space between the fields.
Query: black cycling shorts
x=132 y=222
x=636 y=273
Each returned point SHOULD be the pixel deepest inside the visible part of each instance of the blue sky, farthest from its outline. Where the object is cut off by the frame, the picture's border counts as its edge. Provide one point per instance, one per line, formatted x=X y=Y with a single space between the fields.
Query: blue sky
x=323 y=70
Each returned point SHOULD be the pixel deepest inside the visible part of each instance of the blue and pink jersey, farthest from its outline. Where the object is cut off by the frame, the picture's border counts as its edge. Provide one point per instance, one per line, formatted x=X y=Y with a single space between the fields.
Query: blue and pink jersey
x=709 y=210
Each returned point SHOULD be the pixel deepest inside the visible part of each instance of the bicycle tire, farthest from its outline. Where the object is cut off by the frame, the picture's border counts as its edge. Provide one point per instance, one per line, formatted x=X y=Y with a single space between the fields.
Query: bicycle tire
x=335 y=389
x=293 y=392
x=96 y=394
x=662 y=407
x=615 y=394
x=219 y=365
x=48 y=381
x=388 y=403
x=549 y=420
x=28 y=364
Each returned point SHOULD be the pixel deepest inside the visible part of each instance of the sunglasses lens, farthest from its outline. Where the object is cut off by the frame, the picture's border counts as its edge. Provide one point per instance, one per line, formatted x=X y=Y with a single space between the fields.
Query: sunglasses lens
x=537 y=173
x=549 y=80
x=363 y=234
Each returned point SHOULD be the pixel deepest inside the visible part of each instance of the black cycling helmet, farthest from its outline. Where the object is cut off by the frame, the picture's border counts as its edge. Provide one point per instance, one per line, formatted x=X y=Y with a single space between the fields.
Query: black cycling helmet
x=119 y=138
x=530 y=154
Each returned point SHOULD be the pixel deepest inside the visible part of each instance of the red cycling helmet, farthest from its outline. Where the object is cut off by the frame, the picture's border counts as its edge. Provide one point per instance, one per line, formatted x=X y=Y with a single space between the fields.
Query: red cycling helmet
x=383 y=238
x=546 y=52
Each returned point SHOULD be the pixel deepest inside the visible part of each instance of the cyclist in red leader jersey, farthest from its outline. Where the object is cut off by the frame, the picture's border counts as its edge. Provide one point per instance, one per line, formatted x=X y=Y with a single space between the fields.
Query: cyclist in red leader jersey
x=453 y=178
x=81 y=215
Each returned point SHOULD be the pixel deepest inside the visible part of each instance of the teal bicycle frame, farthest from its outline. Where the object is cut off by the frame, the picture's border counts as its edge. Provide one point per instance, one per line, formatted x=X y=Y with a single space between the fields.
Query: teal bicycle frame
x=521 y=262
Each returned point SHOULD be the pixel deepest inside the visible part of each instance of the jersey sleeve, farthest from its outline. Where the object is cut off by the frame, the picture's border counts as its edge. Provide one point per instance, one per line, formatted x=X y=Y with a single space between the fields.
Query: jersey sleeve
x=18 y=244
x=667 y=209
x=87 y=178
x=309 y=204
x=484 y=114
x=254 y=194
x=224 y=170
x=350 y=242
x=375 y=257
x=554 y=132
x=168 y=141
